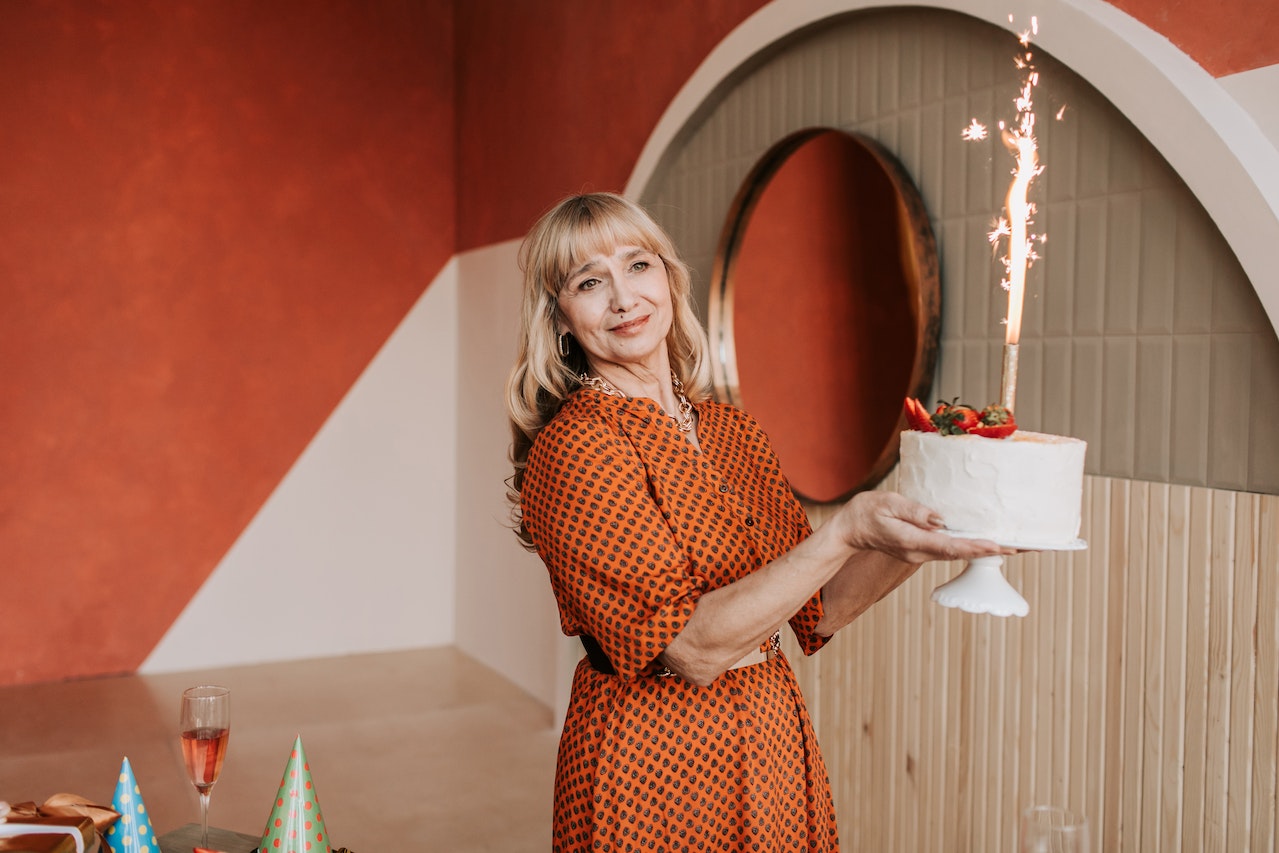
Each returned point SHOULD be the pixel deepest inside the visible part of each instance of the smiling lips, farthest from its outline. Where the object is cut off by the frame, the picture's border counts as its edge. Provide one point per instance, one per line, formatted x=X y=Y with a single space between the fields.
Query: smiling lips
x=629 y=326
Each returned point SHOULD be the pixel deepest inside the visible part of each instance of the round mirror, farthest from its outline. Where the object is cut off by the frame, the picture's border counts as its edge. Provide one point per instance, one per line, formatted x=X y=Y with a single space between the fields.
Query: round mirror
x=825 y=307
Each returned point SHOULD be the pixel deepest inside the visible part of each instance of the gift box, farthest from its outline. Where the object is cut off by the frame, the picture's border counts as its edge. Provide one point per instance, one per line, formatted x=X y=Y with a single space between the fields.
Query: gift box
x=64 y=823
x=42 y=834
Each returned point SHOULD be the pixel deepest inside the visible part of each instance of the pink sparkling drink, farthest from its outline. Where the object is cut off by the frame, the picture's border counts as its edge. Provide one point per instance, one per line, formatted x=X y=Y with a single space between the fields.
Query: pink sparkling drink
x=203 y=750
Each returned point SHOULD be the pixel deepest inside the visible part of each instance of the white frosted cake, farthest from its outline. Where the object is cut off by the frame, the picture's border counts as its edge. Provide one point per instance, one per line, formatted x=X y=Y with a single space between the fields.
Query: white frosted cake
x=1024 y=490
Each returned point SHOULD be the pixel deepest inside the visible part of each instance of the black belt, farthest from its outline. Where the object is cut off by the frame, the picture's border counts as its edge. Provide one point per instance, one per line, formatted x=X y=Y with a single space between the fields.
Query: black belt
x=596 y=655
x=599 y=660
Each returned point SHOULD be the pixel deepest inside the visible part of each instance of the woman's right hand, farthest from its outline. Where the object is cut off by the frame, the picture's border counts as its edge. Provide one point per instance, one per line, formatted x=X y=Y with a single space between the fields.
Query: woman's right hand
x=909 y=531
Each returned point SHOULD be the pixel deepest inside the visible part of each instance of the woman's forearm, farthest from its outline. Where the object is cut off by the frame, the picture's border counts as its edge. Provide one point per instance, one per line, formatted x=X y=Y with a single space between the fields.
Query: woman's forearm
x=875 y=541
x=733 y=619
x=866 y=578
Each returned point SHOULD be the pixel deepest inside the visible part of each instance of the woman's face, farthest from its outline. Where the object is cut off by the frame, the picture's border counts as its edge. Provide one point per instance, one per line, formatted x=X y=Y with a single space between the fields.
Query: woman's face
x=618 y=306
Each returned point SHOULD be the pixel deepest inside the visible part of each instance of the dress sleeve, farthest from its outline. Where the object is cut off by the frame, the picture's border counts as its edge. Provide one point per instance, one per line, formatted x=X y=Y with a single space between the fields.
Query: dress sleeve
x=616 y=569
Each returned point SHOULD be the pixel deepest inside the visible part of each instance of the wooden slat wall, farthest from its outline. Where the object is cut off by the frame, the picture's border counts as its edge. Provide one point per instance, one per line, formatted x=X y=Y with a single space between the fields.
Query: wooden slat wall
x=1142 y=689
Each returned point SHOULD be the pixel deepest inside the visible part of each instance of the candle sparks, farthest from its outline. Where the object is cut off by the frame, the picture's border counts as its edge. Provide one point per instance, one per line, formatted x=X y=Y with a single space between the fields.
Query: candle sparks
x=999 y=231
x=1012 y=229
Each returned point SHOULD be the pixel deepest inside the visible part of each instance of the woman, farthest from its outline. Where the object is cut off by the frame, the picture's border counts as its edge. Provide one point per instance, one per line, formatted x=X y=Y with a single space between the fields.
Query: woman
x=676 y=550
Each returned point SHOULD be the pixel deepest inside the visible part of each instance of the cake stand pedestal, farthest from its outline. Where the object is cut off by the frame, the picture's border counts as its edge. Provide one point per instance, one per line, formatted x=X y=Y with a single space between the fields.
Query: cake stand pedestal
x=982 y=588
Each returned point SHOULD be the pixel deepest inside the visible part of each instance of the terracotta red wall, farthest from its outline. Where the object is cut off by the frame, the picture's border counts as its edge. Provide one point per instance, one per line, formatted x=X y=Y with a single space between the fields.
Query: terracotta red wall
x=212 y=214
x=557 y=97
x=1225 y=37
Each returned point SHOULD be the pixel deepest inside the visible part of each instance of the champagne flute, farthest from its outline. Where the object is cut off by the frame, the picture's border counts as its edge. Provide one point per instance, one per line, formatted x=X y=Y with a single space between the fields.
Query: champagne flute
x=205 y=722
x=1051 y=829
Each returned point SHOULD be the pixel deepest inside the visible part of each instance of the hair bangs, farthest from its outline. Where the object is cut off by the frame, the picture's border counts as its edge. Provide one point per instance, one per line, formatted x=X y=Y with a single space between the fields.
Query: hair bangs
x=598 y=229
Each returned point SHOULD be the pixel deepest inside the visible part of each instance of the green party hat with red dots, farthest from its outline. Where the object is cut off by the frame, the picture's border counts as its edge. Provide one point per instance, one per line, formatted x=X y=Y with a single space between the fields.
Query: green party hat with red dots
x=296 y=824
x=132 y=833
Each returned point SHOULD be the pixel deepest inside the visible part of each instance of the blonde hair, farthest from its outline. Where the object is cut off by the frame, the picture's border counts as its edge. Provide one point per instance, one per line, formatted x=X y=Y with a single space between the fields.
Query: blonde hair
x=567 y=235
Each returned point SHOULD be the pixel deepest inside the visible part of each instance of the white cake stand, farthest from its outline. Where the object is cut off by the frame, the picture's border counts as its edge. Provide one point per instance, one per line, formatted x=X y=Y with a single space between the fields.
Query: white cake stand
x=982 y=588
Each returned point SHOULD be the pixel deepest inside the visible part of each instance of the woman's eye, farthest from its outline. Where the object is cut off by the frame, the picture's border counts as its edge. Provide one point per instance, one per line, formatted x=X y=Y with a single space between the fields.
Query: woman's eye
x=640 y=266
x=587 y=284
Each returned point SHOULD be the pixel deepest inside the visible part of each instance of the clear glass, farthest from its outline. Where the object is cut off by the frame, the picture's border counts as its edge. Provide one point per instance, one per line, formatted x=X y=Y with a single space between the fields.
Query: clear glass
x=205 y=723
x=1052 y=829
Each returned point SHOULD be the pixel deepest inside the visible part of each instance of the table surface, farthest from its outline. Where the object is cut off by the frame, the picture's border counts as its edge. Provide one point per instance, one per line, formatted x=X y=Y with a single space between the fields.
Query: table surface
x=183 y=839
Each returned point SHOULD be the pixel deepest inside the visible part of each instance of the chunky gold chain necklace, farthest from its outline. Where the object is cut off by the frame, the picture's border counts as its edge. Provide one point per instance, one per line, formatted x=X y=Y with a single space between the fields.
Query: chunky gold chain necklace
x=683 y=418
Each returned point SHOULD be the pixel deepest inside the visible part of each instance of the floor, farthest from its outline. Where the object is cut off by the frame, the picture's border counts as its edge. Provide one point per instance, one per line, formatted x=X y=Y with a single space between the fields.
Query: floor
x=422 y=750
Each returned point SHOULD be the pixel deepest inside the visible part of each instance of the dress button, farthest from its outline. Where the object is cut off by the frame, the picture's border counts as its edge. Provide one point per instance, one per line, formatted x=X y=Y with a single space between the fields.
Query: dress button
x=723 y=487
x=750 y=521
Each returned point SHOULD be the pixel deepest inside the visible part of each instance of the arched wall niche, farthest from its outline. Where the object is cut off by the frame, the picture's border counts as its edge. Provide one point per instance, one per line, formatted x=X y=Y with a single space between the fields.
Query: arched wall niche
x=826 y=264
x=1139 y=303
x=1190 y=117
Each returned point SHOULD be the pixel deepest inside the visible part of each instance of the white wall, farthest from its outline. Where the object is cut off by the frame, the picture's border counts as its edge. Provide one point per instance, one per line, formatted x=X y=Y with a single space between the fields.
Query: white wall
x=1257 y=91
x=356 y=549
x=391 y=529
x=506 y=614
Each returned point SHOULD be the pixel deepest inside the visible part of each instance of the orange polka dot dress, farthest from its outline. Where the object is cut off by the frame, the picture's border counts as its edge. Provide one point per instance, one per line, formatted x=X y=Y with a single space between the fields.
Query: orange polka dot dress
x=634 y=523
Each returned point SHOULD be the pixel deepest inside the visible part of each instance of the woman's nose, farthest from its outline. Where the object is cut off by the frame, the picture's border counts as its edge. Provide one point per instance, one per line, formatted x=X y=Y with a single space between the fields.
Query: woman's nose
x=623 y=294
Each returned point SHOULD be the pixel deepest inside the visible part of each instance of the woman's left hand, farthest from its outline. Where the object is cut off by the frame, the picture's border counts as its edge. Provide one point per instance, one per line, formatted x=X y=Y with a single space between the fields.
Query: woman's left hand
x=906 y=530
x=892 y=537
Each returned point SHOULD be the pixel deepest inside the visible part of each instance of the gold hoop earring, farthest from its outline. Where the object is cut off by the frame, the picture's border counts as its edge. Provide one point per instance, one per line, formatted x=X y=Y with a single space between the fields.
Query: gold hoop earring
x=563 y=344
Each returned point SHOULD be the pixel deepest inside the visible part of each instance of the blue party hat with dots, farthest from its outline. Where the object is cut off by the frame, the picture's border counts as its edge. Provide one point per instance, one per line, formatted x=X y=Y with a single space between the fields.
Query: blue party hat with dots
x=132 y=833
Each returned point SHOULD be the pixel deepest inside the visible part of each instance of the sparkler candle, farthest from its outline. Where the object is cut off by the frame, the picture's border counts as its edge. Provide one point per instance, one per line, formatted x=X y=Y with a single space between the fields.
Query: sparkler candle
x=1019 y=211
x=990 y=480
